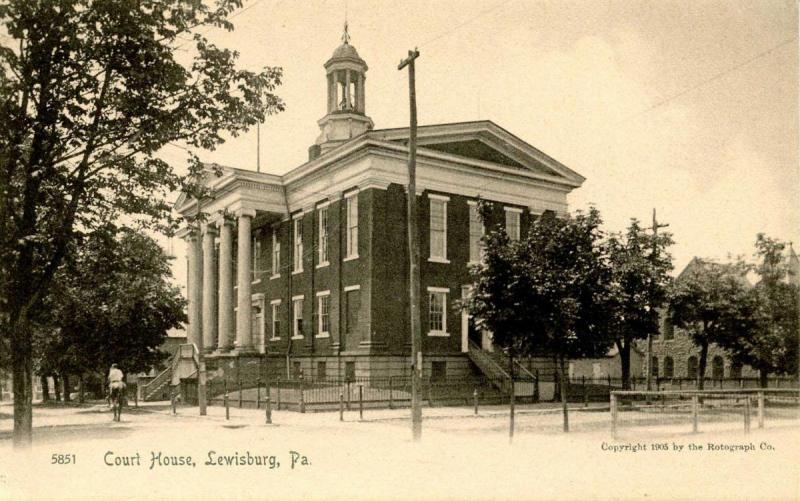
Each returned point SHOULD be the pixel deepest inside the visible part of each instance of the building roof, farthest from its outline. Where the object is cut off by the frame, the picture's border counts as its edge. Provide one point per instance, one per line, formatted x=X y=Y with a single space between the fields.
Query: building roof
x=346 y=51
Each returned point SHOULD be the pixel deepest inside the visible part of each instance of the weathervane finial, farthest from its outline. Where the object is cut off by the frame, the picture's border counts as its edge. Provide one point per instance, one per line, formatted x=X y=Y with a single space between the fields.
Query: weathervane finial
x=346 y=34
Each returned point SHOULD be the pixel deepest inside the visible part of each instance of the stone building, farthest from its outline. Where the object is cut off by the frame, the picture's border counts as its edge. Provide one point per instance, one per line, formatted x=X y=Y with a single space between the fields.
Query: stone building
x=309 y=270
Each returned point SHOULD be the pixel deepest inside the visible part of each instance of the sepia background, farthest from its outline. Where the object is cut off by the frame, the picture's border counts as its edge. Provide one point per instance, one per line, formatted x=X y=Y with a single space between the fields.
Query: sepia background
x=688 y=107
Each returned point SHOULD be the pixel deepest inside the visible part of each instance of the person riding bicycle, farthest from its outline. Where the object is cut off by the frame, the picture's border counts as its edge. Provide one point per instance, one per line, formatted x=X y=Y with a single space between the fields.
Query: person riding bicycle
x=116 y=385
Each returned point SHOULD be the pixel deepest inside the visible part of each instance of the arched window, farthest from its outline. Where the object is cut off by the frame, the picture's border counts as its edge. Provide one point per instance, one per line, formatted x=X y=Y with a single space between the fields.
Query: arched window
x=717 y=367
x=669 y=367
x=691 y=367
x=654 y=366
x=736 y=370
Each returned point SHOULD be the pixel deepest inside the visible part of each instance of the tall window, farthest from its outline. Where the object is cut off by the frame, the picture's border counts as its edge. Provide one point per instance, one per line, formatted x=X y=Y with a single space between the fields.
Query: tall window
x=691 y=367
x=256 y=265
x=276 y=319
x=257 y=323
x=297 y=223
x=512 y=222
x=323 y=308
x=669 y=367
x=276 y=253
x=322 y=236
x=437 y=311
x=297 y=316
x=669 y=329
x=475 y=233
x=654 y=366
x=352 y=226
x=438 y=228
x=717 y=367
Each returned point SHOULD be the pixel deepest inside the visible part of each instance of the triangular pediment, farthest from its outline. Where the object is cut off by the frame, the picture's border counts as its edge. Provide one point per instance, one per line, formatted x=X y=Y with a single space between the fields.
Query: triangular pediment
x=485 y=141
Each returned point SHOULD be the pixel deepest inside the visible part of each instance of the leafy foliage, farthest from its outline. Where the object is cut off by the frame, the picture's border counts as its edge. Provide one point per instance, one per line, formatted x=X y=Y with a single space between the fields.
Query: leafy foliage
x=112 y=303
x=90 y=91
x=640 y=266
x=546 y=292
x=713 y=303
x=770 y=338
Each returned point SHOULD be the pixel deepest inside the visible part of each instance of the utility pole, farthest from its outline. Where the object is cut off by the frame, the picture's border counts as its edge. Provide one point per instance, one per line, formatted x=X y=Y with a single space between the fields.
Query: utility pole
x=655 y=228
x=413 y=253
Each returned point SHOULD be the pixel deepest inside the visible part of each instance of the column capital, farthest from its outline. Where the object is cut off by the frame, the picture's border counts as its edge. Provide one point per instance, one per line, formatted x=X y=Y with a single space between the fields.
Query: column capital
x=244 y=212
x=210 y=228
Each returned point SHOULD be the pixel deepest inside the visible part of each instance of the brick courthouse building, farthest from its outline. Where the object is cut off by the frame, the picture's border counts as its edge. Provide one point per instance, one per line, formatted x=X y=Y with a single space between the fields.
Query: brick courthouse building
x=309 y=270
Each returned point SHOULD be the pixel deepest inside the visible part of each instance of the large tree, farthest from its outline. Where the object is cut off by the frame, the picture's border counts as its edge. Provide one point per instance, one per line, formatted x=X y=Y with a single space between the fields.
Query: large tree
x=90 y=91
x=712 y=302
x=640 y=266
x=769 y=340
x=546 y=293
x=112 y=302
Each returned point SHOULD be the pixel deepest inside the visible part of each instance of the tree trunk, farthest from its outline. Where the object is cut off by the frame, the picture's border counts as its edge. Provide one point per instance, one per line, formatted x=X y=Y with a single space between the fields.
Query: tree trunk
x=763 y=380
x=564 y=389
x=81 y=390
x=67 y=388
x=22 y=374
x=701 y=370
x=56 y=388
x=45 y=388
x=625 y=363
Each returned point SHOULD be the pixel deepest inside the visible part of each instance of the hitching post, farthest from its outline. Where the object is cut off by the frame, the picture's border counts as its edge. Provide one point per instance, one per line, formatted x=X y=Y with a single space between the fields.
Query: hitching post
x=760 y=409
x=258 y=393
x=341 y=405
x=695 y=406
x=172 y=397
x=475 y=399
x=240 y=392
x=269 y=409
x=391 y=395
x=613 y=404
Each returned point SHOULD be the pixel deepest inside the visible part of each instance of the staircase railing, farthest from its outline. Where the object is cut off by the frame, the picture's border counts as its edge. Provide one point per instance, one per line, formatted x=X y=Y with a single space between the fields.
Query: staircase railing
x=490 y=367
x=165 y=376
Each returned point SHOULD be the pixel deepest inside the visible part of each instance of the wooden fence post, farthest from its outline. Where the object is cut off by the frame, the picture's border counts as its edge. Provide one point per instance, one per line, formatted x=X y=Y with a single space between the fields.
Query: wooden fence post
x=475 y=399
x=240 y=392
x=361 y=402
x=613 y=406
x=269 y=408
x=302 y=398
x=585 y=393
x=391 y=395
x=258 y=393
x=341 y=406
x=760 y=409
x=747 y=414
x=227 y=406
x=695 y=409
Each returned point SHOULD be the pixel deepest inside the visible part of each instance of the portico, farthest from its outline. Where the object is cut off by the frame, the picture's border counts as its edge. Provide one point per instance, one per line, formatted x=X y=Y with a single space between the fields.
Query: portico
x=210 y=251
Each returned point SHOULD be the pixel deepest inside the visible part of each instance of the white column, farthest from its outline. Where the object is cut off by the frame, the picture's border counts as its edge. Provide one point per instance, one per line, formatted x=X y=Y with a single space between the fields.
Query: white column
x=194 y=286
x=225 y=321
x=360 y=97
x=209 y=289
x=331 y=92
x=244 y=338
x=347 y=88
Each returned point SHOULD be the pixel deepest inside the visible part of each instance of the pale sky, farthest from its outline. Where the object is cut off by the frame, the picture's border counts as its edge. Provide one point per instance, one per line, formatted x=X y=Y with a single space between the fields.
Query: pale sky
x=689 y=107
